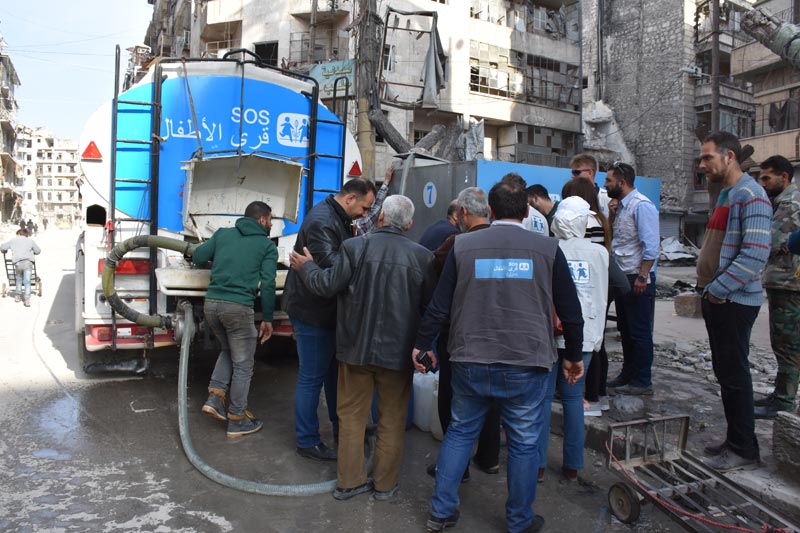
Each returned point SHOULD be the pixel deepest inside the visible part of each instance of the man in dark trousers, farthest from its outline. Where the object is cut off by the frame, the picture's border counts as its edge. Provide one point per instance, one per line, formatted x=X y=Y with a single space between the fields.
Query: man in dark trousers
x=503 y=355
x=325 y=228
x=735 y=249
x=383 y=281
x=439 y=231
x=243 y=258
x=473 y=215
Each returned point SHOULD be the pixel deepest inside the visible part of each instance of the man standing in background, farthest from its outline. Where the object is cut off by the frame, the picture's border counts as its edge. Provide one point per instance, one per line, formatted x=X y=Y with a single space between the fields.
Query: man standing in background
x=734 y=253
x=783 y=288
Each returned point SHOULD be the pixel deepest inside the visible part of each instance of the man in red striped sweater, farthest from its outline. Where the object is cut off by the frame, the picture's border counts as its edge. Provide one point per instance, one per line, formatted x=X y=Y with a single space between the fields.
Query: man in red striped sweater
x=735 y=251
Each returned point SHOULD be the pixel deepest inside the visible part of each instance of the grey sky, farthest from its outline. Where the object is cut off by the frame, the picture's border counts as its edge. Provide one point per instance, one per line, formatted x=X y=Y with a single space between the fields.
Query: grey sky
x=63 y=51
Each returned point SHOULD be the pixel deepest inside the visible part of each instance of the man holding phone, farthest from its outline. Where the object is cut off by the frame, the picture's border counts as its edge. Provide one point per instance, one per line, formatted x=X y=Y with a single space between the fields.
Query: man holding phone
x=503 y=356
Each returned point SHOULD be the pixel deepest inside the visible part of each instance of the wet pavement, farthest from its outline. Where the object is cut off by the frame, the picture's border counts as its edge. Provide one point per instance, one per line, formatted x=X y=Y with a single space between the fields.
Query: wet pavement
x=80 y=453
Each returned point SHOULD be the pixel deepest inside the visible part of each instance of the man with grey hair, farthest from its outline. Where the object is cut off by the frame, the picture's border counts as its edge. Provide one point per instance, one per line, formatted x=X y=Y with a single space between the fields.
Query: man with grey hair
x=473 y=215
x=382 y=281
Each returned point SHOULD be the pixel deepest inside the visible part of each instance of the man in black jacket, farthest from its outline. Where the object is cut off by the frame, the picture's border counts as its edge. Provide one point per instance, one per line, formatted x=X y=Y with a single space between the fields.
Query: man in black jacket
x=383 y=281
x=313 y=318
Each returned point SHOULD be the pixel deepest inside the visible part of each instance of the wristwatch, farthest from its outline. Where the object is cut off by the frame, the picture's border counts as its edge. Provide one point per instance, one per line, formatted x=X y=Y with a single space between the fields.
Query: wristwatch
x=641 y=278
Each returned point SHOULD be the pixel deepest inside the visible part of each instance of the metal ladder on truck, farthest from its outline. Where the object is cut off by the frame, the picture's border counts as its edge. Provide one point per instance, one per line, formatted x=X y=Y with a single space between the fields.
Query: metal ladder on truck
x=149 y=182
x=340 y=124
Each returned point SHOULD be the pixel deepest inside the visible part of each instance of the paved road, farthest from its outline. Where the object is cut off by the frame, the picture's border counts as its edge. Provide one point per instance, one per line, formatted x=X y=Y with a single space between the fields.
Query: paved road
x=103 y=454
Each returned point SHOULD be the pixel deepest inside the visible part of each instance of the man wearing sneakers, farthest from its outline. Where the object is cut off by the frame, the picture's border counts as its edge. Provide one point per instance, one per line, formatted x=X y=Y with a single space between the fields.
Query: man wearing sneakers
x=242 y=257
x=22 y=251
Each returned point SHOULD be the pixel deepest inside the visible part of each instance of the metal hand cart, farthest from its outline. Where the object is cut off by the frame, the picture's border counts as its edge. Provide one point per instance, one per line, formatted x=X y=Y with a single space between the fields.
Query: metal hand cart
x=651 y=458
x=11 y=273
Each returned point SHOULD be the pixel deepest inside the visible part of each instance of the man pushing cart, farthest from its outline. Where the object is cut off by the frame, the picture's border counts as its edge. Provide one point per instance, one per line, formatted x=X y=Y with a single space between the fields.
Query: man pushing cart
x=21 y=267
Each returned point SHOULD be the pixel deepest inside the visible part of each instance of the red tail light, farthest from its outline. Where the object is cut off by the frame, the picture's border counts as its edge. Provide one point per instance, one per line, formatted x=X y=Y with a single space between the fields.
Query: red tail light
x=102 y=333
x=127 y=266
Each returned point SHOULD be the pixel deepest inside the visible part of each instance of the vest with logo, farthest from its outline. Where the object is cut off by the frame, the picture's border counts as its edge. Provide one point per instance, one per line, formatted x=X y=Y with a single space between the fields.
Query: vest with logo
x=626 y=246
x=503 y=300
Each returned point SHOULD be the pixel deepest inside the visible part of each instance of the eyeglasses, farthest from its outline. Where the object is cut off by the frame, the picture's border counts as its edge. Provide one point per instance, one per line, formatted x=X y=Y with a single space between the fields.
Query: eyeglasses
x=625 y=169
x=579 y=171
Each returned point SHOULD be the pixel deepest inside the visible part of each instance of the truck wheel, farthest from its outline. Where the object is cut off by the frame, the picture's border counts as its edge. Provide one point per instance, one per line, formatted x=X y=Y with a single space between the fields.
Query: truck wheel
x=624 y=503
x=84 y=356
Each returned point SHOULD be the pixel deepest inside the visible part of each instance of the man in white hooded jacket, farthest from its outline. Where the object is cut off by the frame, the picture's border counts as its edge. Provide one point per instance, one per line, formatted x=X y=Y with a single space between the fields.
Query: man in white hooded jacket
x=588 y=264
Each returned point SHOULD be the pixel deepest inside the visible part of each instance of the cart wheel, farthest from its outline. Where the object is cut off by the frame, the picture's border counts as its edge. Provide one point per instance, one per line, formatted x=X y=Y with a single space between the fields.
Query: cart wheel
x=624 y=503
x=39 y=287
x=5 y=290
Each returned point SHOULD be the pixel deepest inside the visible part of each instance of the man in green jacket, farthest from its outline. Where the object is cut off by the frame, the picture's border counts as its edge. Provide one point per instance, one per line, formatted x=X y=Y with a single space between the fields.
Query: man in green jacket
x=242 y=257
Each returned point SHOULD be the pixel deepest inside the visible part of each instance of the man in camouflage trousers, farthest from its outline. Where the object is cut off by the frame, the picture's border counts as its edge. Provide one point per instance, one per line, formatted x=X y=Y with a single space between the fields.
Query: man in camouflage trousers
x=783 y=288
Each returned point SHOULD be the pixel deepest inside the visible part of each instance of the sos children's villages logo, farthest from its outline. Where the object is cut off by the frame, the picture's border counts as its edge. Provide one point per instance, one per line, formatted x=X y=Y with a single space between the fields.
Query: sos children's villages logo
x=293 y=129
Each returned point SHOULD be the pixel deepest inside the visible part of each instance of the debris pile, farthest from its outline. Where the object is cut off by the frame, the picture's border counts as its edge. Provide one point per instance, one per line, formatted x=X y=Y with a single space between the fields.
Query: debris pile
x=676 y=254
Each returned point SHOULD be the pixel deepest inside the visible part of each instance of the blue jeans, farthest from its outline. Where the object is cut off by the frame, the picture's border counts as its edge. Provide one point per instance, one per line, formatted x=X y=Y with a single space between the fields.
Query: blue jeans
x=316 y=351
x=635 y=324
x=572 y=401
x=520 y=392
x=22 y=275
x=234 y=326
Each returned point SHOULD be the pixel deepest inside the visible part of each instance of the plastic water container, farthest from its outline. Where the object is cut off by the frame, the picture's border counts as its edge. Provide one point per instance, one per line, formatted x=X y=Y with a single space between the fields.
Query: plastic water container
x=423 y=393
x=436 y=423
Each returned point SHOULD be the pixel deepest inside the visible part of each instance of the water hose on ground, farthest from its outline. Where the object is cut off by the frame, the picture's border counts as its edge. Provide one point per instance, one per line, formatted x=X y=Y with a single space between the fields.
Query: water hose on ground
x=116 y=303
x=266 y=489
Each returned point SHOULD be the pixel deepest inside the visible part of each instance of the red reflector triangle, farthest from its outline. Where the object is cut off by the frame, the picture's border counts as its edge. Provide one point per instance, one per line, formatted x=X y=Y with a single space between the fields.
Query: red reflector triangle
x=91 y=152
x=355 y=170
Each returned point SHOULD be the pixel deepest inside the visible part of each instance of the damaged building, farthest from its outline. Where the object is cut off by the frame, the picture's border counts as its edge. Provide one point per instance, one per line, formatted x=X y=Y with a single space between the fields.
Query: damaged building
x=9 y=196
x=512 y=66
x=648 y=95
x=776 y=86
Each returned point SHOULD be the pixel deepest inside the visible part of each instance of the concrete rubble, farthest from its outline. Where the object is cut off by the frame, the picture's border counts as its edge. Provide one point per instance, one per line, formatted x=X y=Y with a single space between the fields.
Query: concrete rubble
x=684 y=383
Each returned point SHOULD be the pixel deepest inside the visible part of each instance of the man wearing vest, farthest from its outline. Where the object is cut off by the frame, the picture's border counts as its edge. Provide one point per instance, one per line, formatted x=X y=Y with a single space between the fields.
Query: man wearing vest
x=735 y=250
x=635 y=249
x=497 y=289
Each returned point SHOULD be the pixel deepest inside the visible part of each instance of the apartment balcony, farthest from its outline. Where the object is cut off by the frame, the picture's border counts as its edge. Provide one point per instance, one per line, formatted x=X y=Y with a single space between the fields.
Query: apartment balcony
x=785 y=143
x=221 y=13
x=753 y=60
x=732 y=93
x=303 y=8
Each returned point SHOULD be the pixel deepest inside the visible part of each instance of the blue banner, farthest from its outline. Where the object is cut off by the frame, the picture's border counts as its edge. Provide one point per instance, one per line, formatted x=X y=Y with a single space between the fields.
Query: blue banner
x=503 y=269
x=272 y=120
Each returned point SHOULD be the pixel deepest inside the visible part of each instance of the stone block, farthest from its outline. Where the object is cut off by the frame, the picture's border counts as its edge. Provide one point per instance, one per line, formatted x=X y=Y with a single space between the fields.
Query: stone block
x=688 y=304
x=785 y=439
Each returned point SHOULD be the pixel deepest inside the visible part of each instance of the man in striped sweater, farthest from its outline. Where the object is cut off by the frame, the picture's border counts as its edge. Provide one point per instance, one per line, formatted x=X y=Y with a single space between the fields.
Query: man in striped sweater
x=735 y=251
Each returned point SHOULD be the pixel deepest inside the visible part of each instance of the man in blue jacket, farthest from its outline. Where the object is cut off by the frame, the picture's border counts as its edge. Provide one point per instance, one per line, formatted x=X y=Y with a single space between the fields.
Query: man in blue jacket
x=243 y=257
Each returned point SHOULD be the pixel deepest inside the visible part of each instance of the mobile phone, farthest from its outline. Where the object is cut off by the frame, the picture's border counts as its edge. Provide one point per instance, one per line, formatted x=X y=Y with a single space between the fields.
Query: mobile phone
x=425 y=360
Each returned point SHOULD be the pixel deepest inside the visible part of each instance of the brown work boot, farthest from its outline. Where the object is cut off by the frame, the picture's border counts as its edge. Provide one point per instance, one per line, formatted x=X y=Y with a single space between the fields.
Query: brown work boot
x=240 y=425
x=215 y=405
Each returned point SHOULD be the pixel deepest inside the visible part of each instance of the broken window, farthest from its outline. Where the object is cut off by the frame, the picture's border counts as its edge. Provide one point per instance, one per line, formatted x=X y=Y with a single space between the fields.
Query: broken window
x=388 y=58
x=419 y=134
x=517 y=75
x=267 y=52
